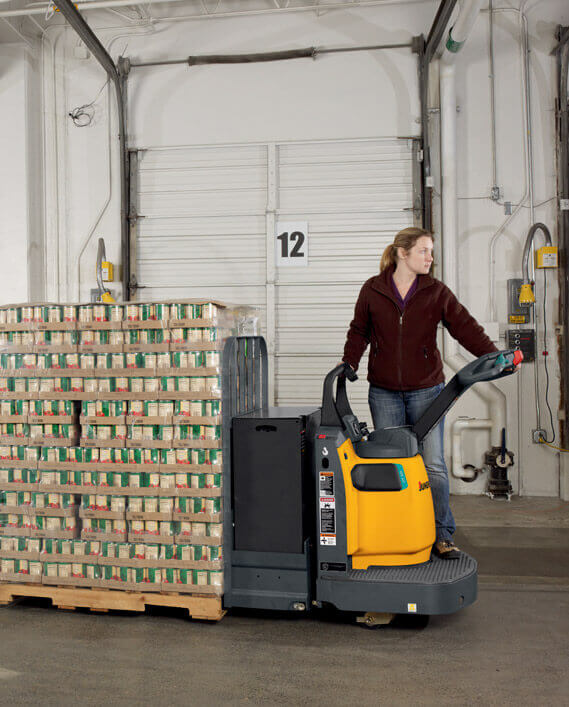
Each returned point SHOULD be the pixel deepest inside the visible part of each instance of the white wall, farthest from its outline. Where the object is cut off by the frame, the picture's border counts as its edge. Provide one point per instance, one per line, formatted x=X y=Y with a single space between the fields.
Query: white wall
x=479 y=218
x=17 y=211
x=345 y=95
x=364 y=94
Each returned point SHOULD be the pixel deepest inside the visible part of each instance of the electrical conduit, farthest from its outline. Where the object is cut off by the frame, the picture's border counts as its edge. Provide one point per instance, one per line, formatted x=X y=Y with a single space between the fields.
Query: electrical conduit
x=491 y=395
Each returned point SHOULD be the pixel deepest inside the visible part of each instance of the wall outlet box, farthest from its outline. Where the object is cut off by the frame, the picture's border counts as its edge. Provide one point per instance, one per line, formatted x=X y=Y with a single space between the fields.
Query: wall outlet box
x=96 y=295
x=537 y=435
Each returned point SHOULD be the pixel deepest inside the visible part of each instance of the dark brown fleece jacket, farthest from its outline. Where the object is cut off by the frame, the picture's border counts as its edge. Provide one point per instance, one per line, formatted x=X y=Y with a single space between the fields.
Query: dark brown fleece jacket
x=403 y=353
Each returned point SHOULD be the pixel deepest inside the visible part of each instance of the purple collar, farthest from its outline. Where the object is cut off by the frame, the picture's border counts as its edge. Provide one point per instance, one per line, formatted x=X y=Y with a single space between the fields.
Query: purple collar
x=400 y=301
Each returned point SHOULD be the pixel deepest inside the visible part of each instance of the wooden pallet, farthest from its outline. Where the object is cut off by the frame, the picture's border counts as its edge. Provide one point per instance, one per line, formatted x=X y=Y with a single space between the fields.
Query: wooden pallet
x=103 y=600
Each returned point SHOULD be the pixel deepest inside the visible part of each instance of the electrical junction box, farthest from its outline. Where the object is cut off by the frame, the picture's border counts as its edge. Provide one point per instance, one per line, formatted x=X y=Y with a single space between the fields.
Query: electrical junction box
x=546 y=257
x=517 y=313
x=96 y=294
x=523 y=339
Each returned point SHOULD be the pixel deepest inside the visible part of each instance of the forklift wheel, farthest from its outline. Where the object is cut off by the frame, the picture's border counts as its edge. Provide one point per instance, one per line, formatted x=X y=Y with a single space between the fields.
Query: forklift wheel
x=374 y=619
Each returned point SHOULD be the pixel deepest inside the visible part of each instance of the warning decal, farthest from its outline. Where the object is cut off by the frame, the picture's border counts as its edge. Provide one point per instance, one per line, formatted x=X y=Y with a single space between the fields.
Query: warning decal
x=327 y=520
x=326 y=483
x=327 y=539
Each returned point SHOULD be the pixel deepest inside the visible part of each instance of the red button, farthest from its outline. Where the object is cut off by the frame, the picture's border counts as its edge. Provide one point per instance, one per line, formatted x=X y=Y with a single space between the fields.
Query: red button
x=518 y=357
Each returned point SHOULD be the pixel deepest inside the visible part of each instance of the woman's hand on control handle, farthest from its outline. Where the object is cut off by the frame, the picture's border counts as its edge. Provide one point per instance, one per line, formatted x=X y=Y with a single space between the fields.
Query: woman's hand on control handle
x=349 y=372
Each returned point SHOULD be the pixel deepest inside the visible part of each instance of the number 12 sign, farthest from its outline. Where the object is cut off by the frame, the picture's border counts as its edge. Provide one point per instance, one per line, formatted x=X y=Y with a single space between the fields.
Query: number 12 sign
x=291 y=244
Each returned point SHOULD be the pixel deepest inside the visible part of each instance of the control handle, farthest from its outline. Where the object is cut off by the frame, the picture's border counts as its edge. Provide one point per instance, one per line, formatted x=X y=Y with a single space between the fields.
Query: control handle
x=490 y=367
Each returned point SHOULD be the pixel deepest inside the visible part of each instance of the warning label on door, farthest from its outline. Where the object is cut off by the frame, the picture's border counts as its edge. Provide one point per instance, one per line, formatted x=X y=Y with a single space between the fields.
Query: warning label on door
x=326 y=483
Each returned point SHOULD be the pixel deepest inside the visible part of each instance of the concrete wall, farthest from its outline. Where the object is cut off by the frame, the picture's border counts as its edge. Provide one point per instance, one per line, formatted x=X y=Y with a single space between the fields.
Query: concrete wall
x=337 y=96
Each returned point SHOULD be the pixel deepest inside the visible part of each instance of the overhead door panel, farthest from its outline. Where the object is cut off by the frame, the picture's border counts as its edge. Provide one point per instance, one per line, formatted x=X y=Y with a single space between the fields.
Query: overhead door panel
x=207 y=215
x=354 y=196
x=201 y=231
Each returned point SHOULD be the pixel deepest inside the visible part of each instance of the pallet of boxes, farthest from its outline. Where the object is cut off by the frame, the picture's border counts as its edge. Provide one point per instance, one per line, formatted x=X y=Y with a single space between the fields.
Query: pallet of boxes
x=110 y=455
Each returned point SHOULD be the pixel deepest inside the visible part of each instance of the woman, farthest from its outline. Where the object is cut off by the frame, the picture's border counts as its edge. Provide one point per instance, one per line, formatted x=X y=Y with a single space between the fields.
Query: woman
x=397 y=314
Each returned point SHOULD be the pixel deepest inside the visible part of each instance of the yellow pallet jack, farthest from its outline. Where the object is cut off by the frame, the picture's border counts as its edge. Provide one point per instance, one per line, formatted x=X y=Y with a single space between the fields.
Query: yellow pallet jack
x=320 y=512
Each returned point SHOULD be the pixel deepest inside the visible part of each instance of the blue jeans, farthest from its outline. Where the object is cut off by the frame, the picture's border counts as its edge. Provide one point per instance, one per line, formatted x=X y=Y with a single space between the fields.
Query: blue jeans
x=392 y=408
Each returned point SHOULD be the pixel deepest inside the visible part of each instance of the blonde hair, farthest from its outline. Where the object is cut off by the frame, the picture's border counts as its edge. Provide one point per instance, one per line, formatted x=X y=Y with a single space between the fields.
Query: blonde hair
x=405 y=239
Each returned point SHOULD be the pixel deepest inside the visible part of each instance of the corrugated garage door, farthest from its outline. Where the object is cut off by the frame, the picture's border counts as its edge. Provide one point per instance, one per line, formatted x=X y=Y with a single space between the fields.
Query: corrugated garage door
x=207 y=229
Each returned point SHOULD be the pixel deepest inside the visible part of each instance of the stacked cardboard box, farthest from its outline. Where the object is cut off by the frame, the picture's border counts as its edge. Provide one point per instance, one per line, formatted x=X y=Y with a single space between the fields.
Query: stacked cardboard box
x=110 y=445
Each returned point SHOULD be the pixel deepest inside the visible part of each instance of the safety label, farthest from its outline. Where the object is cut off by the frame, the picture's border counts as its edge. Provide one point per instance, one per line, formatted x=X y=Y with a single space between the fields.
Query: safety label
x=326 y=483
x=327 y=520
x=549 y=260
x=327 y=539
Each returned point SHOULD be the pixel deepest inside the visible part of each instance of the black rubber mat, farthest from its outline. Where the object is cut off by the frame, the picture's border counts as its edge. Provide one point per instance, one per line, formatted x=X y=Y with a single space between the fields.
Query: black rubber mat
x=436 y=571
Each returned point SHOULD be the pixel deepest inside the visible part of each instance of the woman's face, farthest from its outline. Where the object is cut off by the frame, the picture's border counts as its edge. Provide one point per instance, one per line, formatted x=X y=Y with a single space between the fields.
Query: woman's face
x=420 y=257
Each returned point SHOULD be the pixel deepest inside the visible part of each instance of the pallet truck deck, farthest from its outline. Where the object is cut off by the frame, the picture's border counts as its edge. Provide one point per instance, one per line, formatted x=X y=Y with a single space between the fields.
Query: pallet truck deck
x=318 y=512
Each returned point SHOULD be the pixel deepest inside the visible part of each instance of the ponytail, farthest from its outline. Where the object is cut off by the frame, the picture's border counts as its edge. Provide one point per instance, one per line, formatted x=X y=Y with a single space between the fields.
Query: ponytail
x=405 y=239
x=388 y=258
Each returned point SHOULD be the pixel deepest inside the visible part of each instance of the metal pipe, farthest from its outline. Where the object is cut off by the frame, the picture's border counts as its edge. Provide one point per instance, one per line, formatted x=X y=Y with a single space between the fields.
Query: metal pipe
x=373 y=47
x=525 y=274
x=55 y=276
x=495 y=191
x=426 y=50
x=563 y=39
x=72 y=15
x=525 y=40
x=531 y=206
x=563 y=151
x=103 y=4
x=490 y=393
x=308 y=53
x=528 y=244
x=458 y=426
x=459 y=32
x=425 y=165
x=523 y=198
x=438 y=28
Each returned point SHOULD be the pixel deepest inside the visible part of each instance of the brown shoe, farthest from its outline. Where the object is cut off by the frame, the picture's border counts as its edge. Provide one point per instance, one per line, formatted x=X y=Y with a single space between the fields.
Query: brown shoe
x=446 y=550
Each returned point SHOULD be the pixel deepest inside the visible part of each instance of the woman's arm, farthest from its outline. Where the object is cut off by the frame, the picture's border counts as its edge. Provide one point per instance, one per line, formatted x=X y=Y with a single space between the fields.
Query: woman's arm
x=462 y=325
x=359 y=333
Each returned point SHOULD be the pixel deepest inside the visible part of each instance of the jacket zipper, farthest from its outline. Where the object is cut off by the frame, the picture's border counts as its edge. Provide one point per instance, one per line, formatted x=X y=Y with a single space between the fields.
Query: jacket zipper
x=400 y=357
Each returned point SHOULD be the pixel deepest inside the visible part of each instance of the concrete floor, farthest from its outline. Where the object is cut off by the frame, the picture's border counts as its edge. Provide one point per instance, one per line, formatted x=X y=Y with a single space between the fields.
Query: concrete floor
x=510 y=647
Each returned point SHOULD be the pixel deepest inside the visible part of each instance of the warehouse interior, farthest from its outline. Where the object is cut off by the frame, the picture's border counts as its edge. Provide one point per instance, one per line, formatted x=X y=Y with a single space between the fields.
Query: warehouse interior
x=188 y=134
